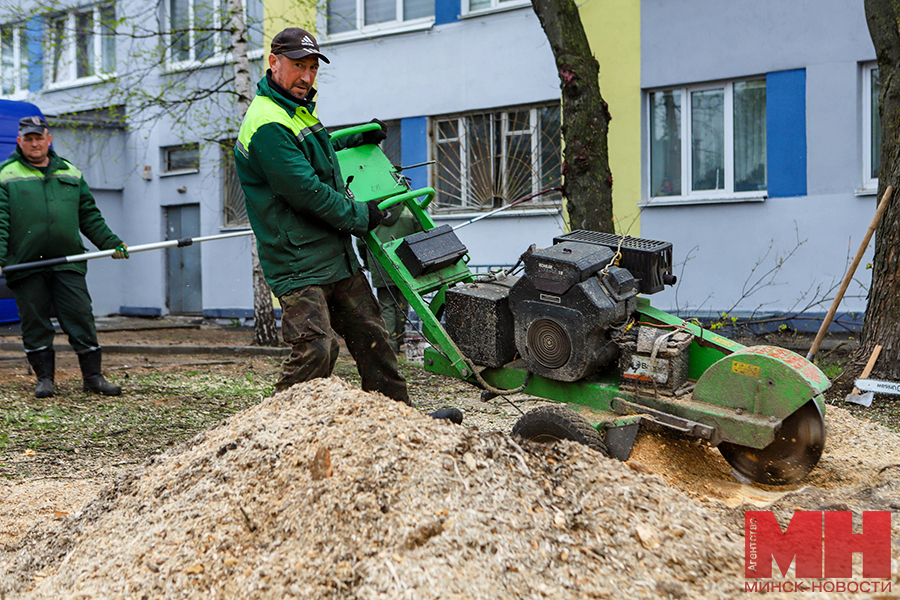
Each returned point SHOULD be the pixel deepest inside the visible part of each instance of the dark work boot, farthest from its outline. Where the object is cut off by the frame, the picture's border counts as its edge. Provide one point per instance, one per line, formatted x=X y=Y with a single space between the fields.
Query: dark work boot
x=43 y=362
x=93 y=380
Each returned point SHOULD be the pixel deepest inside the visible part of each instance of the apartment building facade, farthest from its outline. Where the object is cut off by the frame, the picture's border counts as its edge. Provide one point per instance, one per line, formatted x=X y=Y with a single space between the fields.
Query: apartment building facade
x=746 y=140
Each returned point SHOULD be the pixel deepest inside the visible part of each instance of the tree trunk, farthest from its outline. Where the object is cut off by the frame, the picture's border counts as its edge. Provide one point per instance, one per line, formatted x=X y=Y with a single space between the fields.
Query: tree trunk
x=882 y=320
x=265 y=333
x=587 y=180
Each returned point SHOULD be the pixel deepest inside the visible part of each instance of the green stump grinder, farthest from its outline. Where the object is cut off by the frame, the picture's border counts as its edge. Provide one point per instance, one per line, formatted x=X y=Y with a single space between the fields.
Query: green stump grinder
x=573 y=325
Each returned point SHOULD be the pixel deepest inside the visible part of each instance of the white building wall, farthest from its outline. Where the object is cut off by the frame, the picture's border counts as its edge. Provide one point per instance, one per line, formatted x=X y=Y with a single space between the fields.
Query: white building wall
x=720 y=249
x=483 y=62
x=97 y=154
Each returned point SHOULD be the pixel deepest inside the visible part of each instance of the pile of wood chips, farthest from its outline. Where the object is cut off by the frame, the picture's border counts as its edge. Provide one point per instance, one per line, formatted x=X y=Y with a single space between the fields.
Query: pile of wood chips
x=324 y=491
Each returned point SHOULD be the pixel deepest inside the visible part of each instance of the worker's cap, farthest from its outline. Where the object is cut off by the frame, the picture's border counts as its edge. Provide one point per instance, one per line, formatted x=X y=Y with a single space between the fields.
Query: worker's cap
x=295 y=43
x=34 y=124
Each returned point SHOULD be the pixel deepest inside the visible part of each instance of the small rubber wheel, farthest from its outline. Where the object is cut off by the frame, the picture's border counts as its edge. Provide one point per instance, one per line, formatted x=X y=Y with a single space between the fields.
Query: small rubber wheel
x=551 y=423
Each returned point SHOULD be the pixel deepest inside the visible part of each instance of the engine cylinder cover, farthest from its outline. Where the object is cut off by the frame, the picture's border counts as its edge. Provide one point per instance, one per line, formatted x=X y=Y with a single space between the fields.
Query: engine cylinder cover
x=565 y=335
x=559 y=267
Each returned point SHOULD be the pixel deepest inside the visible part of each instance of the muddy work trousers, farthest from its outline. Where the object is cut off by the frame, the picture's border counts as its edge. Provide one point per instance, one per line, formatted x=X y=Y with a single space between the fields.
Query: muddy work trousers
x=311 y=315
x=38 y=293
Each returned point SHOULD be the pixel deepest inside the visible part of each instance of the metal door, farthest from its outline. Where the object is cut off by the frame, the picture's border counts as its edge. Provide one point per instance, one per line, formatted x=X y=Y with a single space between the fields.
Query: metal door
x=183 y=290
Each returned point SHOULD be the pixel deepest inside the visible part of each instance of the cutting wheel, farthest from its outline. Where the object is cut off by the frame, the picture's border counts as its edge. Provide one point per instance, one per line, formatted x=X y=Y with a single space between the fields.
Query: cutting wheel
x=796 y=449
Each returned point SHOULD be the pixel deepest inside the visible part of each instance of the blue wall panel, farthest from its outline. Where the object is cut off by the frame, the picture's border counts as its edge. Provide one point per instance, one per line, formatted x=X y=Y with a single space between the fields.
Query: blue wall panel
x=786 y=133
x=414 y=149
x=446 y=11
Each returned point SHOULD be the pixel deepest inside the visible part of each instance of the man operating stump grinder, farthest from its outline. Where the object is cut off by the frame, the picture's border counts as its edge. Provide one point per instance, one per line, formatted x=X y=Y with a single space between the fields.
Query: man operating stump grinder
x=44 y=204
x=303 y=221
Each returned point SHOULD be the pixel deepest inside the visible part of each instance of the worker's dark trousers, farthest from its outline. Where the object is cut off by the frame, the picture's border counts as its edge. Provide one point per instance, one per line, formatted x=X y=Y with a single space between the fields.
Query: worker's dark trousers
x=67 y=290
x=311 y=315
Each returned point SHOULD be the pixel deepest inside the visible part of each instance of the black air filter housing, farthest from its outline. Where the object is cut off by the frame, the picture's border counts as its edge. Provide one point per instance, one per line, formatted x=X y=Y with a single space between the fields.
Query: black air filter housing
x=649 y=261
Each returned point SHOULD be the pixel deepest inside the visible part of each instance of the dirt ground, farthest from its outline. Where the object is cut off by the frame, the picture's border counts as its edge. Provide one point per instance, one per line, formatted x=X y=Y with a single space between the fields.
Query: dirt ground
x=666 y=524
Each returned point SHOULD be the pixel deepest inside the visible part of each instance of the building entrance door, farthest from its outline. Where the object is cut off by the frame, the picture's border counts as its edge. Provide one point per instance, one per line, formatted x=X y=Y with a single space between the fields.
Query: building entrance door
x=184 y=293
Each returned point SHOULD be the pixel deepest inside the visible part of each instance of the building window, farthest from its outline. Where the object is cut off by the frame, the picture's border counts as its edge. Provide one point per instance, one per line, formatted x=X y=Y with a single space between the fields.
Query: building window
x=82 y=44
x=200 y=30
x=367 y=16
x=871 y=127
x=234 y=210
x=181 y=158
x=484 y=160
x=13 y=60
x=486 y=5
x=708 y=142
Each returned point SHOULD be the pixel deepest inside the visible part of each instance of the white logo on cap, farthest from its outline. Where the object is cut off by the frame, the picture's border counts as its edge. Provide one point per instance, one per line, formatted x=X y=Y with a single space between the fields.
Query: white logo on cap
x=36 y=120
x=306 y=41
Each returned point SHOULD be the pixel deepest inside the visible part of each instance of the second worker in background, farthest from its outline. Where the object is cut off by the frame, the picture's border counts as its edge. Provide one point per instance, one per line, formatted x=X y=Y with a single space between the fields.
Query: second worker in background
x=44 y=205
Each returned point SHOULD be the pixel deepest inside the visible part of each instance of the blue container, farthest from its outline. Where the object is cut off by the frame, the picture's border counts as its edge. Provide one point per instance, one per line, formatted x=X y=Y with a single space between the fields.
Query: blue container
x=10 y=113
x=8 y=311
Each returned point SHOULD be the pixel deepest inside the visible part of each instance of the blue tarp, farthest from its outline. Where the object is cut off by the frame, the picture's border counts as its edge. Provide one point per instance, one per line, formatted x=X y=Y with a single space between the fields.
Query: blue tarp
x=10 y=113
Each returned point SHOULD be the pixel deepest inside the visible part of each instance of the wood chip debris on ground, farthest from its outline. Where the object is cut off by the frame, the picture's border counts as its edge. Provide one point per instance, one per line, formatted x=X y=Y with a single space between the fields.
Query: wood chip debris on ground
x=324 y=491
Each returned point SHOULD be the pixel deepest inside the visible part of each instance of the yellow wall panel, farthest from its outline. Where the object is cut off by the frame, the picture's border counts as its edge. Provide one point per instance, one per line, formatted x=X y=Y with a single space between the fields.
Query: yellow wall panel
x=280 y=14
x=613 y=29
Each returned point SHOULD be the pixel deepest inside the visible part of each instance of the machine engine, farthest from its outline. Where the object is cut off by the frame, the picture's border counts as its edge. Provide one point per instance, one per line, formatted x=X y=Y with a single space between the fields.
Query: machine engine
x=559 y=316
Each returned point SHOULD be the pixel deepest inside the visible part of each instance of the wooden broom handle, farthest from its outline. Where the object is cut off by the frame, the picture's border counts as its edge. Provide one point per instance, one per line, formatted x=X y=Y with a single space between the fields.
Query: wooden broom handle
x=849 y=275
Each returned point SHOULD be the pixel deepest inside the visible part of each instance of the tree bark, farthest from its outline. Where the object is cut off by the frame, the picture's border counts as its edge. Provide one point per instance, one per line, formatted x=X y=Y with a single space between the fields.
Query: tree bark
x=265 y=332
x=882 y=320
x=587 y=179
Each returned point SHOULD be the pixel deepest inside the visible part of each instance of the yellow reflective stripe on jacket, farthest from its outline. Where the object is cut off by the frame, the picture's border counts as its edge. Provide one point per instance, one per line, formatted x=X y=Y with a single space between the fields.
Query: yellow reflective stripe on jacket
x=263 y=110
x=17 y=171
x=70 y=171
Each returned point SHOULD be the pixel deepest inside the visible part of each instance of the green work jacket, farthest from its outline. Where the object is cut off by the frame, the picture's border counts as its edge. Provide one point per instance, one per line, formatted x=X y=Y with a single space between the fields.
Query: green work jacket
x=295 y=195
x=41 y=215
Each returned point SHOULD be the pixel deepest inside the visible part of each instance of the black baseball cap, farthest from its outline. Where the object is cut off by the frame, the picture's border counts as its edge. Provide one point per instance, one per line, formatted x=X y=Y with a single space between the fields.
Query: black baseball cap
x=295 y=43
x=35 y=124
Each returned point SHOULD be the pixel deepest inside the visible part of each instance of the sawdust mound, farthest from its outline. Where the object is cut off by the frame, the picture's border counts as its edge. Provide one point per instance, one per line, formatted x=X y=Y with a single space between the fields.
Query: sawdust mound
x=324 y=491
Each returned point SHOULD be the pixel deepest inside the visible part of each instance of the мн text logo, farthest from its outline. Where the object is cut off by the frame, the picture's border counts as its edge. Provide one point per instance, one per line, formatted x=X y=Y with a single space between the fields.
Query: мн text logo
x=820 y=544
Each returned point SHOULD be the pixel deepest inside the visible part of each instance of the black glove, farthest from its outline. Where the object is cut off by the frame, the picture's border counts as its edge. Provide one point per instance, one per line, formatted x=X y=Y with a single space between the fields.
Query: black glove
x=376 y=215
x=376 y=136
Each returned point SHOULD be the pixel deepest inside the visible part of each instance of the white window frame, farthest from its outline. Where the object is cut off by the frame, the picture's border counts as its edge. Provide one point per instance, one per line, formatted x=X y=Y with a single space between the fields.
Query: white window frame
x=70 y=60
x=362 y=30
x=21 y=77
x=496 y=6
x=221 y=55
x=869 y=183
x=689 y=196
x=505 y=133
